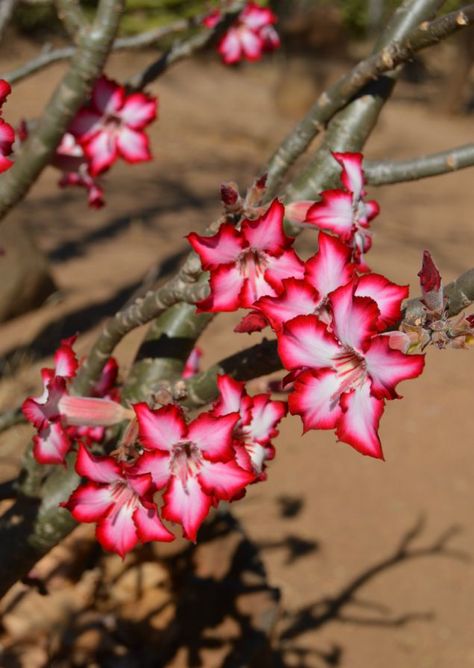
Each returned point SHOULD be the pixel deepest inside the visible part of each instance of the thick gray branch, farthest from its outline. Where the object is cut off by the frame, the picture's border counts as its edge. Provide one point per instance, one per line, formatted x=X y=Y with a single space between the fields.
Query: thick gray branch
x=381 y=173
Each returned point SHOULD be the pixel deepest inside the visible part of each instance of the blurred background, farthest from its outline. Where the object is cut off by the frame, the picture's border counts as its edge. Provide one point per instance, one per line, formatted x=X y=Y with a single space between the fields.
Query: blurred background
x=344 y=561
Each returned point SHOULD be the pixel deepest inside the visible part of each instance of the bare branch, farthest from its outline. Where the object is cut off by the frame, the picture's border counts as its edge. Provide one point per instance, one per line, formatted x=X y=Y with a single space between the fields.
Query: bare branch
x=350 y=128
x=86 y=66
x=49 y=57
x=338 y=95
x=381 y=173
x=6 y=11
x=186 y=48
x=72 y=17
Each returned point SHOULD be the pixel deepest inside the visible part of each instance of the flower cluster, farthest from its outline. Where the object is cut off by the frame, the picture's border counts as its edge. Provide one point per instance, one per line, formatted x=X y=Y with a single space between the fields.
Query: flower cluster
x=7 y=134
x=332 y=317
x=61 y=418
x=249 y=37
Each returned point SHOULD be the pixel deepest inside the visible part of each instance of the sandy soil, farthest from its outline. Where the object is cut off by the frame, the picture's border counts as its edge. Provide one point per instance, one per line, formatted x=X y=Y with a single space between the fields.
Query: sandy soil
x=353 y=544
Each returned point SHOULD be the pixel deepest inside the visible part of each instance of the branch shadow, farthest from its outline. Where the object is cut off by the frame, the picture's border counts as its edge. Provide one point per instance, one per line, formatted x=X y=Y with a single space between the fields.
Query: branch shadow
x=335 y=608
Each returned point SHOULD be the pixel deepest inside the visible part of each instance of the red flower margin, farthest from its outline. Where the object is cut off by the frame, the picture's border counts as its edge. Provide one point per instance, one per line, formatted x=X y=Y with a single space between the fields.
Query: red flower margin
x=344 y=373
x=249 y=263
x=120 y=501
x=194 y=464
x=112 y=126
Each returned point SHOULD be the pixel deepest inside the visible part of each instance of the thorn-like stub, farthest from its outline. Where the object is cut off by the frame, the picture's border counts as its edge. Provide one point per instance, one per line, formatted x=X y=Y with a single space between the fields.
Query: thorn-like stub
x=461 y=19
x=425 y=25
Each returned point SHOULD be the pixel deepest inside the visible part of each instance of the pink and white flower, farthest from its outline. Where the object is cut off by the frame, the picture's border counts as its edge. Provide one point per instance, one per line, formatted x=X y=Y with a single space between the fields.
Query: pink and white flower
x=120 y=502
x=256 y=427
x=345 y=212
x=56 y=414
x=344 y=374
x=192 y=365
x=329 y=269
x=247 y=264
x=194 y=464
x=71 y=160
x=112 y=126
x=250 y=37
x=7 y=133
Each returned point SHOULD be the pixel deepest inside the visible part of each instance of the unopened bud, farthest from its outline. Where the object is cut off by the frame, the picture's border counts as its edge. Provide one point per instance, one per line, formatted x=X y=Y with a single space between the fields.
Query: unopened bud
x=229 y=194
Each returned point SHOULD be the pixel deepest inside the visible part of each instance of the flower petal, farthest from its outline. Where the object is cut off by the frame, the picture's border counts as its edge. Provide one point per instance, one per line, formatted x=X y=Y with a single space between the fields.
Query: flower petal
x=160 y=429
x=222 y=248
x=355 y=318
x=305 y=342
x=133 y=145
x=65 y=360
x=266 y=414
x=297 y=298
x=359 y=422
x=157 y=464
x=97 y=469
x=189 y=506
x=116 y=532
x=316 y=397
x=330 y=267
x=333 y=212
x=85 y=124
x=107 y=95
x=213 y=435
x=226 y=284
x=287 y=265
x=387 y=295
x=230 y=48
x=101 y=151
x=230 y=395
x=90 y=502
x=138 y=110
x=148 y=524
x=251 y=44
x=224 y=480
x=266 y=233
x=51 y=445
x=352 y=175
x=387 y=367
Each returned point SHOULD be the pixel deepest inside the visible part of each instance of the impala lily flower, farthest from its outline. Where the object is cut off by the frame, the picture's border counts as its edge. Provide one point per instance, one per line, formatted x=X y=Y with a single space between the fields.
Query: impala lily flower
x=329 y=269
x=193 y=463
x=56 y=414
x=71 y=160
x=344 y=212
x=112 y=126
x=259 y=416
x=343 y=376
x=7 y=133
x=120 y=502
x=250 y=37
x=247 y=264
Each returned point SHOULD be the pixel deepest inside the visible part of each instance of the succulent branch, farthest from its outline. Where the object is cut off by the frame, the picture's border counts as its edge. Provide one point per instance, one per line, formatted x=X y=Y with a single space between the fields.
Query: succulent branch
x=421 y=167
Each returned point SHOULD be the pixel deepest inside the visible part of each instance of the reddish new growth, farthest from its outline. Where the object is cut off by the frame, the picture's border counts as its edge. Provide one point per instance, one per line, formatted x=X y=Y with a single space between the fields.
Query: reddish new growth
x=7 y=134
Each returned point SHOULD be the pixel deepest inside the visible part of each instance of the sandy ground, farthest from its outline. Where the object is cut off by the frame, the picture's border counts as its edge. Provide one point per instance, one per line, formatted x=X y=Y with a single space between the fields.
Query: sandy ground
x=354 y=544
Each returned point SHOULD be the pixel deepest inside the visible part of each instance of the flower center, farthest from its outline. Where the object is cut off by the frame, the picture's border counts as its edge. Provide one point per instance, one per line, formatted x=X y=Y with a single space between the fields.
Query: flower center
x=123 y=495
x=186 y=461
x=351 y=370
x=112 y=122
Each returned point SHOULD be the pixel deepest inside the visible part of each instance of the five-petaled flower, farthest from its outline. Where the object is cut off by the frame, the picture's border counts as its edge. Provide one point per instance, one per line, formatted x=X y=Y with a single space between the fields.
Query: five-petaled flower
x=58 y=416
x=344 y=374
x=193 y=463
x=249 y=263
x=119 y=501
x=112 y=126
x=249 y=37
x=252 y=434
x=344 y=212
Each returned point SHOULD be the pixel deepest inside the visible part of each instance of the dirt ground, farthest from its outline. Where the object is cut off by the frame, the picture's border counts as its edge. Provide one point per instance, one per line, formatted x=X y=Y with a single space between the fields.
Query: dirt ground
x=373 y=559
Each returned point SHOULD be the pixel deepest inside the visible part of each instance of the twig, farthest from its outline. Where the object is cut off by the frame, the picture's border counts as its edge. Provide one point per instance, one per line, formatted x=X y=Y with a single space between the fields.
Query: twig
x=47 y=58
x=459 y=295
x=6 y=11
x=381 y=173
x=338 y=95
x=350 y=128
x=185 y=48
x=86 y=65
x=72 y=17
